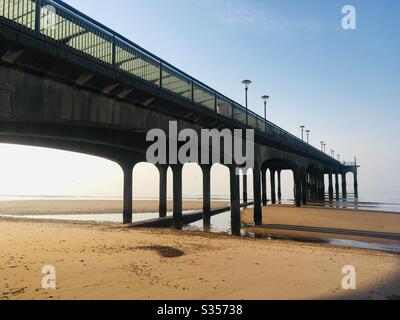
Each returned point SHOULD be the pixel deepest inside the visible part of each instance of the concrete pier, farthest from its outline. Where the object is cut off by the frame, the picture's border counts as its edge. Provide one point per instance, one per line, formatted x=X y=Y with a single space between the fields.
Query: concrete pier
x=257 y=196
x=264 y=187
x=344 y=185
x=279 y=185
x=206 y=169
x=177 y=192
x=273 y=190
x=127 y=169
x=163 y=170
x=245 y=188
x=330 y=188
x=337 y=190
x=236 y=224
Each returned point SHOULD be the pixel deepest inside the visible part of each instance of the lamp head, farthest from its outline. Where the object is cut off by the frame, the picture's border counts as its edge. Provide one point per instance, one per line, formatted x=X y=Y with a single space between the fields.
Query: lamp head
x=265 y=98
x=247 y=83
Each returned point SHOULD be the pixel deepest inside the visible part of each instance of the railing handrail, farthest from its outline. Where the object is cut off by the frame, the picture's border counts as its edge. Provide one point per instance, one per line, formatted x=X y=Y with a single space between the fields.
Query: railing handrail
x=107 y=32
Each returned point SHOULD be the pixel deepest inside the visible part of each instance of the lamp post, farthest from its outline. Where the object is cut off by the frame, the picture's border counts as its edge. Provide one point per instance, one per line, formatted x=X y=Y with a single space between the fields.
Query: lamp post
x=333 y=153
x=308 y=136
x=265 y=99
x=322 y=146
x=338 y=157
x=247 y=84
x=302 y=132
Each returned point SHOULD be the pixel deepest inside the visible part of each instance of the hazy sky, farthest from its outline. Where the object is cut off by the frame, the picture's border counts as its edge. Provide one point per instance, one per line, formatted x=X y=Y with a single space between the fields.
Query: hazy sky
x=343 y=85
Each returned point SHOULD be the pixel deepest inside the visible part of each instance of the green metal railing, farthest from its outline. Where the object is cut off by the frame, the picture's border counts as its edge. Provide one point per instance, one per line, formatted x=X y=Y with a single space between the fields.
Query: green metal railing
x=64 y=26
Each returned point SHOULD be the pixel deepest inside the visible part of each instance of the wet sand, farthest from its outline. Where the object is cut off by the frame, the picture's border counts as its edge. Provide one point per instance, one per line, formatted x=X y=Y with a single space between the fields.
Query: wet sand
x=319 y=219
x=49 y=207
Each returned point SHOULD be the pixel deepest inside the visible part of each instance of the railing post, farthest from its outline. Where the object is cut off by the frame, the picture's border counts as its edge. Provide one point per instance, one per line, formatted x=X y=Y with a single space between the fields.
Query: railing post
x=192 y=87
x=215 y=103
x=38 y=7
x=161 y=73
x=113 y=57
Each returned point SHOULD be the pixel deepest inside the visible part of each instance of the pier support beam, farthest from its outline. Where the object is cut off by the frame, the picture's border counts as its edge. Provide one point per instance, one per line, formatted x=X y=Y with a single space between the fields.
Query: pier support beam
x=330 y=186
x=257 y=196
x=273 y=190
x=245 y=195
x=264 y=186
x=279 y=186
x=322 y=194
x=337 y=186
x=206 y=196
x=304 y=187
x=344 y=185
x=127 y=168
x=163 y=170
x=235 y=202
x=297 y=188
x=177 y=177
x=356 y=185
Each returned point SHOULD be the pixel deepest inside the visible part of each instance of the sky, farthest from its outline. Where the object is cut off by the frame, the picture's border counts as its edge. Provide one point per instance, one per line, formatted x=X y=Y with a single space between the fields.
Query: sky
x=343 y=85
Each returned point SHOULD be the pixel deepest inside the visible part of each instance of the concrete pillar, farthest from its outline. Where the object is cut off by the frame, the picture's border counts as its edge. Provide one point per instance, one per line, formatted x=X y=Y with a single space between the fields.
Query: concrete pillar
x=330 y=186
x=344 y=185
x=279 y=185
x=163 y=170
x=128 y=189
x=304 y=187
x=236 y=225
x=337 y=186
x=264 y=186
x=273 y=190
x=206 y=196
x=355 y=185
x=322 y=177
x=245 y=197
x=297 y=187
x=257 y=196
x=177 y=191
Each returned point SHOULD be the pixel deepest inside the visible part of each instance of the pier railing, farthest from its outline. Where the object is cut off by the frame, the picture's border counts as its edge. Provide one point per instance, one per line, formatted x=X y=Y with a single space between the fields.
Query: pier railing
x=63 y=26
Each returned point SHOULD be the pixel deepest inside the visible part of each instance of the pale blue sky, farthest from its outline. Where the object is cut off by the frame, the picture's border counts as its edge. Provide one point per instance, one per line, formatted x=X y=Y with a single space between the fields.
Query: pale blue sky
x=343 y=85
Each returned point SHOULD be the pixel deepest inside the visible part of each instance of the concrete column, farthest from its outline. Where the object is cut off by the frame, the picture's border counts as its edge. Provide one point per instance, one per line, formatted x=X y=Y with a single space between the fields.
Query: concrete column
x=163 y=170
x=235 y=202
x=128 y=189
x=264 y=186
x=304 y=187
x=273 y=190
x=257 y=196
x=330 y=186
x=245 y=197
x=177 y=177
x=279 y=185
x=206 y=196
x=322 y=186
x=297 y=187
x=344 y=185
x=356 y=185
x=337 y=190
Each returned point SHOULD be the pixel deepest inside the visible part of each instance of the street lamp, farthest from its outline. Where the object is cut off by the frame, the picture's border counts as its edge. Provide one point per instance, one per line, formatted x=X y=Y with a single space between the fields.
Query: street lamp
x=302 y=132
x=308 y=136
x=322 y=146
x=333 y=153
x=247 y=84
x=338 y=157
x=265 y=99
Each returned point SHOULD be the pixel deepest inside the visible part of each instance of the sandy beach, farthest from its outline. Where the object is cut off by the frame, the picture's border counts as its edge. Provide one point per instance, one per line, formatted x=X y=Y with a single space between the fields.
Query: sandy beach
x=111 y=261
